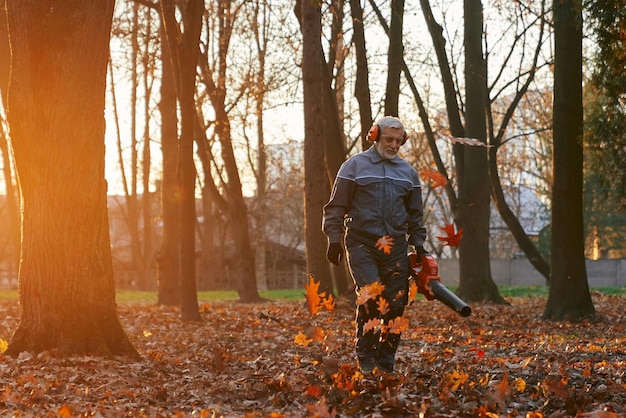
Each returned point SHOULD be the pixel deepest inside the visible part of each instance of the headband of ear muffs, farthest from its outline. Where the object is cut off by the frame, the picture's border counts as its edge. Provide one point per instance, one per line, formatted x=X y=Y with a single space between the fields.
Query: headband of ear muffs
x=374 y=134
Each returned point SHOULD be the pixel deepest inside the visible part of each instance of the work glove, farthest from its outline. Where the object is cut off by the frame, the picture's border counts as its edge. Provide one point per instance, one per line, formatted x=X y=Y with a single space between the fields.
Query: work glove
x=334 y=254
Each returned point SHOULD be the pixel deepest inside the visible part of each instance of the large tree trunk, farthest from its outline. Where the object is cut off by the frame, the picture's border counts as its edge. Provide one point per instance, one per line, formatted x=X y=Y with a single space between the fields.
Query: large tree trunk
x=569 y=296
x=11 y=201
x=56 y=115
x=316 y=185
x=168 y=265
x=184 y=50
x=5 y=52
x=394 y=58
x=361 y=83
x=476 y=283
x=11 y=190
x=237 y=212
x=335 y=142
x=452 y=106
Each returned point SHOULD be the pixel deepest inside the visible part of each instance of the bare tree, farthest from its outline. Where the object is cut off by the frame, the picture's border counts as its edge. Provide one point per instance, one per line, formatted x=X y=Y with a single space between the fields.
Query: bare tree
x=213 y=69
x=55 y=111
x=183 y=50
x=497 y=140
x=168 y=258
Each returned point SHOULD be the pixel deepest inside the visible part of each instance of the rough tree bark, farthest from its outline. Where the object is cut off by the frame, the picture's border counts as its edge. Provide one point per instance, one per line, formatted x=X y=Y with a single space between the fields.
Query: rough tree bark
x=11 y=190
x=184 y=53
x=316 y=185
x=476 y=283
x=361 y=83
x=569 y=296
x=394 y=58
x=168 y=260
x=56 y=115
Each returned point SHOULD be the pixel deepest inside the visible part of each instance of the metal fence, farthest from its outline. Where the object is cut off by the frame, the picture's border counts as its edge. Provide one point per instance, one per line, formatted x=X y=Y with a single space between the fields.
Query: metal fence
x=600 y=273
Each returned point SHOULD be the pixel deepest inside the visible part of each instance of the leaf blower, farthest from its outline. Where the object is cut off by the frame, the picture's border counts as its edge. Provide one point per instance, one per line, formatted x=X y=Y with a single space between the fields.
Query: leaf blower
x=425 y=271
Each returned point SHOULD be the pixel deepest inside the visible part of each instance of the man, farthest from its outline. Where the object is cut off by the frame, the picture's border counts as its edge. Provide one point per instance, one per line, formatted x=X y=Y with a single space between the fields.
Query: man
x=376 y=203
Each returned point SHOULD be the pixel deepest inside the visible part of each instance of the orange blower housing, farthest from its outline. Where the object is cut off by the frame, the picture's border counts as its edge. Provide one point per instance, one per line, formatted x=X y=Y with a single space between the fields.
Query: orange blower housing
x=425 y=271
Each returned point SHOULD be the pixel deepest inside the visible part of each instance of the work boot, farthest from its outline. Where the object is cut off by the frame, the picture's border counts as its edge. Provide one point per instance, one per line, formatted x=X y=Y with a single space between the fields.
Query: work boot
x=367 y=366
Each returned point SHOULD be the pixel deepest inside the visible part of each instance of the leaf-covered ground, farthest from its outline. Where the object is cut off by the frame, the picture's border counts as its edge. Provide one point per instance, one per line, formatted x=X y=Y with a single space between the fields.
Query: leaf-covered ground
x=275 y=359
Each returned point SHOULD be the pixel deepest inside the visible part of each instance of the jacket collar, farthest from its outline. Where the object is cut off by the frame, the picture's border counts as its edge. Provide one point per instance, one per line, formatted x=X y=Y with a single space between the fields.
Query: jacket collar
x=376 y=158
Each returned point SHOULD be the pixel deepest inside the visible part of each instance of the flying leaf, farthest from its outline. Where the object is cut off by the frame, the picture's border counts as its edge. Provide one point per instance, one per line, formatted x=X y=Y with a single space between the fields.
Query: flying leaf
x=398 y=325
x=436 y=178
x=383 y=306
x=370 y=291
x=312 y=296
x=329 y=303
x=452 y=239
x=316 y=299
x=412 y=290
x=468 y=141
x=372 y=324
x=363 y=296
x=385 y=244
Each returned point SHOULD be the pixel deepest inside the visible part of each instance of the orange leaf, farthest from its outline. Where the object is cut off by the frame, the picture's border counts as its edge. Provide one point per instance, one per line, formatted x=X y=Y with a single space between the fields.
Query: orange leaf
x=316 y=299
x=318 y=335
x=456 y=379
x=383 y=306
x=302 y=340
x=452 y=239
x=412 y=290
x=314 y=391
x=329 y=303
x=370 y=291
x=312 y=297
x=372 y=324
x=398 y=325
x=64 y=411
x=436 y=178
x=385 y=244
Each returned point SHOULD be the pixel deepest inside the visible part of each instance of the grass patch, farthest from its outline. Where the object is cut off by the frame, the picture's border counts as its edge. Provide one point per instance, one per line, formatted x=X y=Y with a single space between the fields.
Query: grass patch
x=146 y=298
x=8 y=294
x=523 y=291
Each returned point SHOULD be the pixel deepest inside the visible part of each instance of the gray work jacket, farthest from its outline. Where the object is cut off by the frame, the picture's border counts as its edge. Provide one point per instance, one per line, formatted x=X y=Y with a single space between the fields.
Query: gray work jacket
x=373 y=197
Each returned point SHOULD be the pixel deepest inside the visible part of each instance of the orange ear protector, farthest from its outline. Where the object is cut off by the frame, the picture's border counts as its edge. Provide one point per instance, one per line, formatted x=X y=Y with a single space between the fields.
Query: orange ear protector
x=374 y=134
